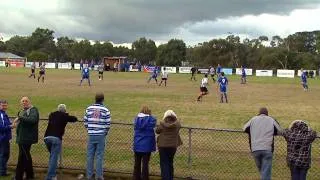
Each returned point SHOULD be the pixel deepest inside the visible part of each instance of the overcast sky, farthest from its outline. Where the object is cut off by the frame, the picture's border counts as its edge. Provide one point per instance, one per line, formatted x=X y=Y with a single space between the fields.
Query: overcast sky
x=194 y=21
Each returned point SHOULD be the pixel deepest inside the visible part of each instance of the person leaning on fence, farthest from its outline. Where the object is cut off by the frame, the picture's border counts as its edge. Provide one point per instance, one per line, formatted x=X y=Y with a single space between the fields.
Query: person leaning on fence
x=262 y=129
x=168 y=141
x=299 y=138
x=5 y=137
x=53 y=137
x=144 y=142
x=97 y=120
x=27 y=134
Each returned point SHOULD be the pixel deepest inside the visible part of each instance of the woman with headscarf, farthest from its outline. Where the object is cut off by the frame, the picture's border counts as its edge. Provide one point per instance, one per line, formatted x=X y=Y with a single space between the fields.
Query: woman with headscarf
x=299 y=138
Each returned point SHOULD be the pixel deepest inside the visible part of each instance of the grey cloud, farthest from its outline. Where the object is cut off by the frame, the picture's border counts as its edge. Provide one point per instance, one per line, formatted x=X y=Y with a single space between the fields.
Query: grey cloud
x=127 y=20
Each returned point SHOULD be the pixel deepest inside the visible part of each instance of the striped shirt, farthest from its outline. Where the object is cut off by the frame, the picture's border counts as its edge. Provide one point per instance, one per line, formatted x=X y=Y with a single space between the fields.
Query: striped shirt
x=97 y=120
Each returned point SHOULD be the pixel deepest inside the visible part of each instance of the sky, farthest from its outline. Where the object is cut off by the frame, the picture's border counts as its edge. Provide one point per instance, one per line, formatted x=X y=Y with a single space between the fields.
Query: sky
x=124 y=21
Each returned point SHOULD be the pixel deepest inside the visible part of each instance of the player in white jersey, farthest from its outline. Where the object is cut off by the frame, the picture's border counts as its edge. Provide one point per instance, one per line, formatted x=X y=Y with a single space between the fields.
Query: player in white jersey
x=203 y=87
x=42 y=72
x=212 y=72
x=164 y=77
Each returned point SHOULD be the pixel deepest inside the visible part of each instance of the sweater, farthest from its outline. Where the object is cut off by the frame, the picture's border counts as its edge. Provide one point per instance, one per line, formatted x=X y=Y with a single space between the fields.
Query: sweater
x=169 y=136
x=5 y=129
x=261 y=130
x=144 y=136
x=97 y=120
x=57 y=123
x=27 y=129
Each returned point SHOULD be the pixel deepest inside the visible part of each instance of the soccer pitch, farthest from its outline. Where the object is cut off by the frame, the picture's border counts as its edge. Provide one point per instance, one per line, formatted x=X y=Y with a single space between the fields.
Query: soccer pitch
x=215 y=154
x=126 y=92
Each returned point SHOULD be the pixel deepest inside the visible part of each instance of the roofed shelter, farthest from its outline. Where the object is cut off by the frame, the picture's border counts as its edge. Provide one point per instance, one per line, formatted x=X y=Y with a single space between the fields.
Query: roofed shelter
x=112 y=60
x=12 y=59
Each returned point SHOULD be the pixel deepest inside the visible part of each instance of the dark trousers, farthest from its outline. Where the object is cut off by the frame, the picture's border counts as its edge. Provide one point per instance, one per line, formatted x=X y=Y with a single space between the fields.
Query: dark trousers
x=137 y=173
x=298 y=173
x=166 y=162
x=24 y=162
x=4 y=156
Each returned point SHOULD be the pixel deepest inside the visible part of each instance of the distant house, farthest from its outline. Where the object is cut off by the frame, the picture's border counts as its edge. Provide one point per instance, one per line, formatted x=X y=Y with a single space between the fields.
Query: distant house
x=12 y=59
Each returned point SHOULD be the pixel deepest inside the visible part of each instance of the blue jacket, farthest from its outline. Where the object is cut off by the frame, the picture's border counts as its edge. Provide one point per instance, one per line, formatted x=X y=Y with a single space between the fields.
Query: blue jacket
x=5 y=129
x=144 y=136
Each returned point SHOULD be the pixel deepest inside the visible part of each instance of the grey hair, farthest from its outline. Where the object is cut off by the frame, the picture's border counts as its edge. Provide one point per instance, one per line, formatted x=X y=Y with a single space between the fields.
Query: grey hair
x=62 y=108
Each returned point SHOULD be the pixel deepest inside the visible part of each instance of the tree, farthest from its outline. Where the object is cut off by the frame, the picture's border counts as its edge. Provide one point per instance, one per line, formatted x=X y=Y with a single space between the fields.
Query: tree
x=18 y=45
x=175 y=52
x=42 y=40
x=64 y=49
x=37 y=56
x=144 y=50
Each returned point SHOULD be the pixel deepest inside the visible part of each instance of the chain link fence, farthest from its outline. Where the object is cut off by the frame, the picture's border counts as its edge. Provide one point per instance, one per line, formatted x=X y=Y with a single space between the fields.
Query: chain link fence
x=205 y=153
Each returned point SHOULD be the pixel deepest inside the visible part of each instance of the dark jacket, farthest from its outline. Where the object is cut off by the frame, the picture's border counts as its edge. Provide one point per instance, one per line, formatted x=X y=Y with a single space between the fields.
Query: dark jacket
x=27 y=129
x=5 y=129
x=299 y=139
x=57 y=123
x=144 y=136
x=168 y=131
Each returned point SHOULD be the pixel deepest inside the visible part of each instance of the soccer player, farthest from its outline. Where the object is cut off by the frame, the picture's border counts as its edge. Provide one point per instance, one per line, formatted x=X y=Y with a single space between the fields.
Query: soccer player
x=223 y=83
x=193 y=73
x=33 y=70
x=243 y=76
x=203 y=87
x=212 y=72
x=85 y=75
x=164 y=77
x=42 y=72
x=100 y=70
x=304 y=80
x=219 y=70
x=154 y=75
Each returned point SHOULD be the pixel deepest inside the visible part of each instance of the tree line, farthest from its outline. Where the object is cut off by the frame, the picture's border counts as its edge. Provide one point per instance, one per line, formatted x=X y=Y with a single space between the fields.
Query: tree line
x=297 y=50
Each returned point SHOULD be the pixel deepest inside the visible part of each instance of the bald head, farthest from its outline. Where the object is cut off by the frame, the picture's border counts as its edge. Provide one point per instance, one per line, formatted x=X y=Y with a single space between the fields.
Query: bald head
x=25 y=102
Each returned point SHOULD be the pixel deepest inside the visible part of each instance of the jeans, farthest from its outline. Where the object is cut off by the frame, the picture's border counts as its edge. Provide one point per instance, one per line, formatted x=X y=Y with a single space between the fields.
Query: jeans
x=298 y=173
x=4 y=156
x=263 y=159
x=54 y=147
x=145 y=158
x=24 y=162
x=95 y=149
x=166 y=162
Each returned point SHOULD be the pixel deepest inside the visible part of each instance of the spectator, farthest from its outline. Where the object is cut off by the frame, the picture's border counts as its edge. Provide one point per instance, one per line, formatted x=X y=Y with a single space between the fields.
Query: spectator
x=5 y=137
x=53 y=137
x=168 y=141
x=144 y=143
x=27 y=134
x=261 y=130
x=97 y=121
x=299 y=138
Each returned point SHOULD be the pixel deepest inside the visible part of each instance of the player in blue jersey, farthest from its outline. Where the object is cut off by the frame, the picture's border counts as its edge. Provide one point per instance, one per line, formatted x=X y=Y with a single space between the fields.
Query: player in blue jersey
x=243 y=75
x=203 y=87
x=85 y=75
x=219 y=69
x=304 y=80
x=223 y=83
x=154 y=75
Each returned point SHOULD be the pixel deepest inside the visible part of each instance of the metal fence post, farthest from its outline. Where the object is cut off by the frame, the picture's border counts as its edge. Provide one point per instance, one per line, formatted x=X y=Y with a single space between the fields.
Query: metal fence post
x=60 y=161
x=190 y=153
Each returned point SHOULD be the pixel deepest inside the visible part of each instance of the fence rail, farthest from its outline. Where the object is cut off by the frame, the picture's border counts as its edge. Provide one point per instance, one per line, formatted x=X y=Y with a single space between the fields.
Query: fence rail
x=205 y=153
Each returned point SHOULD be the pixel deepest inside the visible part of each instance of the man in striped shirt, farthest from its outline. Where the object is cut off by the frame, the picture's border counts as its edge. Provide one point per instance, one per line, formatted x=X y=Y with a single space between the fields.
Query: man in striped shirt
x=97 y=121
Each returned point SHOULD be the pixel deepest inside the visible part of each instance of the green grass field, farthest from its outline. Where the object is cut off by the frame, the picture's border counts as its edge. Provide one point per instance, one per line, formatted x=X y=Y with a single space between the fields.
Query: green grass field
x=215 y=155
x=126 y=92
